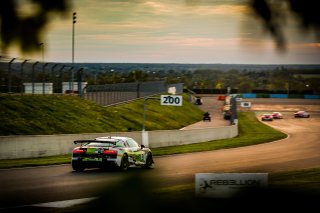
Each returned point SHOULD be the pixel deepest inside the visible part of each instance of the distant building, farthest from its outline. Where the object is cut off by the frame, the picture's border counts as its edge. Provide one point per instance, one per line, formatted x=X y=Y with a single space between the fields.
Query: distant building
x=38 y=88
x=73 y=87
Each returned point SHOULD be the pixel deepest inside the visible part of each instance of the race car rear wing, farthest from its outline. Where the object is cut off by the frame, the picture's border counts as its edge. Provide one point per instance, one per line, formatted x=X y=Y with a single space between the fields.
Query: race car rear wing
x=89 y=141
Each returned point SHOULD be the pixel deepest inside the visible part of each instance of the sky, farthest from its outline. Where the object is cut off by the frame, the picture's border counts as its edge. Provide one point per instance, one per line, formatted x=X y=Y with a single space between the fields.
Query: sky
x=167 y=31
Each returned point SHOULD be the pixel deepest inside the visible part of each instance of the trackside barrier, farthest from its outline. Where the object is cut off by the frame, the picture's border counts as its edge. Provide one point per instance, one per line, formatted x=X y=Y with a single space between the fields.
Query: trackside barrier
x=278 y=95
x=249 y=95
x=32 y=146
x=311 y=96
x=254 y=95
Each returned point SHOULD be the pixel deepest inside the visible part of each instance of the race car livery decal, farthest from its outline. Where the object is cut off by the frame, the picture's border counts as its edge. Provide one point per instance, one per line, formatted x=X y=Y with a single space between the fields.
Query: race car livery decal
x=92 y=159
x=91 y=150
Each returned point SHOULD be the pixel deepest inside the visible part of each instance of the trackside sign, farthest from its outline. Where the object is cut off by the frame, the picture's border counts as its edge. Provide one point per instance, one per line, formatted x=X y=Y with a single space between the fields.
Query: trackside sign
x=171 y=100
x=245 y=104
x=226 y=185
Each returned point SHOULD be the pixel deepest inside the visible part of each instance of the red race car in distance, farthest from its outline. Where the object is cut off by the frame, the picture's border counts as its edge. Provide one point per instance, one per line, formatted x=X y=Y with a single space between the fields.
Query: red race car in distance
x=266 y=117
x=277 y=115
x=301 y=114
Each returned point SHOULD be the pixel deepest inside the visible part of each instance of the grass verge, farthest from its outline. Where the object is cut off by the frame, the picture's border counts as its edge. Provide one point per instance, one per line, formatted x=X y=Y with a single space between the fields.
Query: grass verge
x=47 y=115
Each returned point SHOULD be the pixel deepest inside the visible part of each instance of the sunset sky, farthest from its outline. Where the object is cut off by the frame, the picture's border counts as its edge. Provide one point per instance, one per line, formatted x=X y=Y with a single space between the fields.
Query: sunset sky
x=167 y=31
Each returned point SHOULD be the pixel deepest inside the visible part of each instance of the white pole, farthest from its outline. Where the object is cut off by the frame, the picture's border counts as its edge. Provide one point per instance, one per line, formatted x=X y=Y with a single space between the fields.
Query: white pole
x=145 y=138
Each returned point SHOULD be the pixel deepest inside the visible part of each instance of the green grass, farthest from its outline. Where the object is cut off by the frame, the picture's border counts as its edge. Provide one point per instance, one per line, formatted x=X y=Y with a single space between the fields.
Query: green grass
x=46 y=115
x=304 y=181
x=27 y=162
x=251 y=132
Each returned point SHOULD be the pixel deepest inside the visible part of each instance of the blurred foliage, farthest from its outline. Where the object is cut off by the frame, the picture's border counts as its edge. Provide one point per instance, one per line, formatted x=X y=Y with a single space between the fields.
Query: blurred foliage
x=23 y=21
x=275 y=13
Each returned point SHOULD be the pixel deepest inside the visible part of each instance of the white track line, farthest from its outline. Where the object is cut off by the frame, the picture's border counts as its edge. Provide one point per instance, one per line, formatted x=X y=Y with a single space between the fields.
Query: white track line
x=64 y=203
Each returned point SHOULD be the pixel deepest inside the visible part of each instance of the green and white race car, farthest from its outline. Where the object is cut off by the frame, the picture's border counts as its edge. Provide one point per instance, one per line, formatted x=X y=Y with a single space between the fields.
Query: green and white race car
x=105 y=152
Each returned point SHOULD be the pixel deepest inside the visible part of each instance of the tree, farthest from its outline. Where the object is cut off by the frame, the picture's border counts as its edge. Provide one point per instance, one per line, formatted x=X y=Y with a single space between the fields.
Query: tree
x=273 y=15
x=26 y=31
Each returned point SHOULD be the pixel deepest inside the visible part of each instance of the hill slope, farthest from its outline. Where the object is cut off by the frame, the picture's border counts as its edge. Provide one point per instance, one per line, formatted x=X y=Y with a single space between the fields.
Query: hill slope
x=34 y=115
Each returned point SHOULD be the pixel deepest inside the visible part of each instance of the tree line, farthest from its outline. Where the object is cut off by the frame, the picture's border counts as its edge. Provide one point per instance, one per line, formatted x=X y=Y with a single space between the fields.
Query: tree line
x=269 y=81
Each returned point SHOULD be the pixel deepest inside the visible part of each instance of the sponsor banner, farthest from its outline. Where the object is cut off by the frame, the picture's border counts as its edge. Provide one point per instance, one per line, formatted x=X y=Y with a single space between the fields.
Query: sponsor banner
x=226 y=185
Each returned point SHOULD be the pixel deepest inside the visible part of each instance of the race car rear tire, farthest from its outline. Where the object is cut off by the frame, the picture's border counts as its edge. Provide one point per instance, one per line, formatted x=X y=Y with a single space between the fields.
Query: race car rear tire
x=77 y=166
x=124 y=163
x=149 y=162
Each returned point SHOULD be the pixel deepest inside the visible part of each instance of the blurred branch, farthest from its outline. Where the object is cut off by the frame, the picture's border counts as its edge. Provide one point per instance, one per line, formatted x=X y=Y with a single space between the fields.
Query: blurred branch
x=272 y=16
x=25 y=31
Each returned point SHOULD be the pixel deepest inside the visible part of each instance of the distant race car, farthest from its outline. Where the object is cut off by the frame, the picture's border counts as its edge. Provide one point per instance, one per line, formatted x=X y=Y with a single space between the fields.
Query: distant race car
x=206 y=117
x=277 y=115
x=301 y=114
x=267 y=117
x=198 y=101
x=113 y=151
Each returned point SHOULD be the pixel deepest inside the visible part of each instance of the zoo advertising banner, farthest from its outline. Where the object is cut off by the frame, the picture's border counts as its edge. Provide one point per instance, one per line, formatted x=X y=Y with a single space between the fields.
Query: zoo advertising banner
x=226 y=185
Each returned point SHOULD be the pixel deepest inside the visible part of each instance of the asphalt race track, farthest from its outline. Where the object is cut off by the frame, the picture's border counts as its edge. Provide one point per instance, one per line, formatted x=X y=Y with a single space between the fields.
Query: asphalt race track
x=21 y=188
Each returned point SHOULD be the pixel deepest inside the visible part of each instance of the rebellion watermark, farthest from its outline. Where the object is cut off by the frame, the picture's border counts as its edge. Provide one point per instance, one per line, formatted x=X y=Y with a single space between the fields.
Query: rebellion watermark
x=224 y=185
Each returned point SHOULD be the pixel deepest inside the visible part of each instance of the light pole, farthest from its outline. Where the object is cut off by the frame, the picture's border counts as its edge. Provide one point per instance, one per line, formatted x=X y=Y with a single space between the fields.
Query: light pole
x=73 y=24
